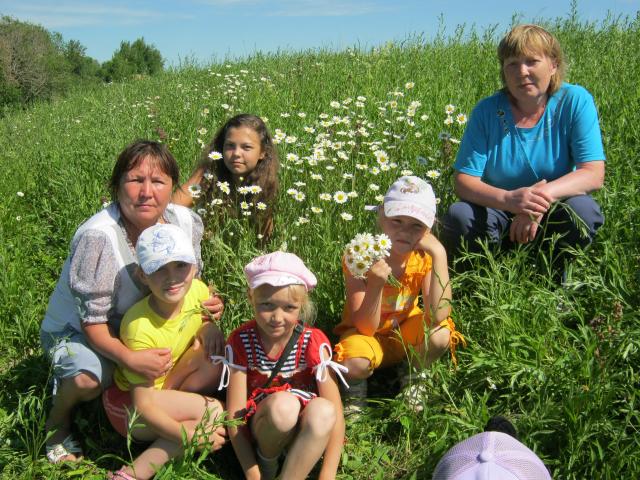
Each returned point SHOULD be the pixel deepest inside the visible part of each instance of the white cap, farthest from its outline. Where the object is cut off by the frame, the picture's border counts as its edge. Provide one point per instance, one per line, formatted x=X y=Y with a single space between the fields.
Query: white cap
x=413 y=197
x=161 y=244
x=490 y=456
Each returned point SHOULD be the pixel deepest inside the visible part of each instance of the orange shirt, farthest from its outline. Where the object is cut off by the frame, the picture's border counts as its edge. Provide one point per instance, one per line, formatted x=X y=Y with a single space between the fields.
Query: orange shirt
x=398 y=304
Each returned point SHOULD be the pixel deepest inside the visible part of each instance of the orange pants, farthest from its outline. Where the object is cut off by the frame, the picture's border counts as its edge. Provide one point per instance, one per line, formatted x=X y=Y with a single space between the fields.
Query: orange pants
x=383 y=349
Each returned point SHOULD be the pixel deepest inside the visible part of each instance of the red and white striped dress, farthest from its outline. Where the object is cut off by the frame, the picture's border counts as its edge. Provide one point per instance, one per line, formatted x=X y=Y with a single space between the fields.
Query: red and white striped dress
x=296 y=375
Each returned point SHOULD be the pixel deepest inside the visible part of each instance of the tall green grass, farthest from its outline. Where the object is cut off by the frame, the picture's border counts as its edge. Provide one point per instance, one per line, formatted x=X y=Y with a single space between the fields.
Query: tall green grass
x=563 y=363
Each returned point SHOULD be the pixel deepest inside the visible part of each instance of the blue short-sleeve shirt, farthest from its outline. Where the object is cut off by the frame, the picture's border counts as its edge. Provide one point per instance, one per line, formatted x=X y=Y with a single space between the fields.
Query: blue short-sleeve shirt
x=509 y=157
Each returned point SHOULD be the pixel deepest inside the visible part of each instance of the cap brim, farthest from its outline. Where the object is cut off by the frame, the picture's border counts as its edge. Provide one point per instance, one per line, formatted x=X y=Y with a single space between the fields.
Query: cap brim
x=422 y=214
x=275 y=280
x=154 y=265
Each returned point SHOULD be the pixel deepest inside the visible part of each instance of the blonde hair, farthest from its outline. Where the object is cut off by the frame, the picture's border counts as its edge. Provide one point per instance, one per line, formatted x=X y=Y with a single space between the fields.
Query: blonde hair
x=297 y=293
x=533 y=40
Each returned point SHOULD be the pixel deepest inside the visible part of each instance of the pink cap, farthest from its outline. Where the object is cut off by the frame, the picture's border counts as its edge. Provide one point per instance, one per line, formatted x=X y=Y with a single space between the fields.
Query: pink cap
x=279 y=269
x=490 y=456
x=413 y=197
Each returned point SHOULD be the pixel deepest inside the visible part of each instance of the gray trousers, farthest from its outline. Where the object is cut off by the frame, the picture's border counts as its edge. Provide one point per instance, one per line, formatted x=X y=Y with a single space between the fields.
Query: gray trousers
x=576 y=219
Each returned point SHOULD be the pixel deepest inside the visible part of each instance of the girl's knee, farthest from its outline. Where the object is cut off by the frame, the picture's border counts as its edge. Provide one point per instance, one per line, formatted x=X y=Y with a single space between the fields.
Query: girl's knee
x=283 y=410
x=439 y=340
x=319 y=417
x=359 y=368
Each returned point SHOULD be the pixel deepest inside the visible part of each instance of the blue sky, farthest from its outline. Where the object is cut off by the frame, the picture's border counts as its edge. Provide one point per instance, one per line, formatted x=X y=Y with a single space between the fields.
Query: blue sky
x=210 y=30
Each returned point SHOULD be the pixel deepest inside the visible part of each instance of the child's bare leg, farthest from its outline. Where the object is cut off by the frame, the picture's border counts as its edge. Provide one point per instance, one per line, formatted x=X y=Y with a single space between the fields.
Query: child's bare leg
x=316 y=424
x=438 y=344
x=275 y=422
x=195 y=373
x=186 y=408
x=71 y=391
x=359 y=368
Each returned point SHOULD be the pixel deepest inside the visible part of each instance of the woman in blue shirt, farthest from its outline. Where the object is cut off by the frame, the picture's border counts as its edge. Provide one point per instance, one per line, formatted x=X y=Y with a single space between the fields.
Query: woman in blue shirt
x=531 y=154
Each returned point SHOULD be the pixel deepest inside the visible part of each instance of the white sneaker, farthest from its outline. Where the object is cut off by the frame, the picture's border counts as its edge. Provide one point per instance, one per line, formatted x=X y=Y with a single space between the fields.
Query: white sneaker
x=414 y=390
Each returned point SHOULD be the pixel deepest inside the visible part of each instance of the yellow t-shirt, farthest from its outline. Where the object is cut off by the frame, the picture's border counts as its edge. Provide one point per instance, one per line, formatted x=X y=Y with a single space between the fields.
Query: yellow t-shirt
x=142 y=328
x=397 y=304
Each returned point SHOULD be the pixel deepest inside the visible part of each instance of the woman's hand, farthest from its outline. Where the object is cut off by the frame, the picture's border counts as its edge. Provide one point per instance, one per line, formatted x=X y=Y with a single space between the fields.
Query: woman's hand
x=379 y=272
x=214 y=305
x=532 y=200
x=211 y=338
x=524 y=227
x=151 y=363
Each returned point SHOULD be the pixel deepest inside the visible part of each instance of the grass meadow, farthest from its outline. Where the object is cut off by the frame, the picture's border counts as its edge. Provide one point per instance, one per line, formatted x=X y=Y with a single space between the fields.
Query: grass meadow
x=562 y=363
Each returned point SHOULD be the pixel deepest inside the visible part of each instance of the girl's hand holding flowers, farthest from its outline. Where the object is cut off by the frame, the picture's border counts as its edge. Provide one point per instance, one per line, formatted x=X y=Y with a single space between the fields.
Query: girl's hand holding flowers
x=365 y=254
x=379 y=271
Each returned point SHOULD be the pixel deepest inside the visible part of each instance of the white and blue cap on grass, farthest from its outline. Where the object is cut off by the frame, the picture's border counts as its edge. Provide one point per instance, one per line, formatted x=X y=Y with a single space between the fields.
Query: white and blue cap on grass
x=412 y=197
x=161 y=244
x=490 y=456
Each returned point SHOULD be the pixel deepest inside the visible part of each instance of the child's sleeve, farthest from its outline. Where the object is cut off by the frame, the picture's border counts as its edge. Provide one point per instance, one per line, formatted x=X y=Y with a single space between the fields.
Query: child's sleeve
x=317 y=339
x=319 y=357
x=239 y=352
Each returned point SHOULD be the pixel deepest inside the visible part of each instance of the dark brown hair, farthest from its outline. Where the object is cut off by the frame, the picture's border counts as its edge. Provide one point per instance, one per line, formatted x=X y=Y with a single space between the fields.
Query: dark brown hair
x=134 y=154
x=533 y=40
x=265 y=175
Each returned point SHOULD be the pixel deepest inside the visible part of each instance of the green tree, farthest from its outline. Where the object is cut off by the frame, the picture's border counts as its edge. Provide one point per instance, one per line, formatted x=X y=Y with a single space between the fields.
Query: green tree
x=80 y=64
x=31 y=60
x=131 y=59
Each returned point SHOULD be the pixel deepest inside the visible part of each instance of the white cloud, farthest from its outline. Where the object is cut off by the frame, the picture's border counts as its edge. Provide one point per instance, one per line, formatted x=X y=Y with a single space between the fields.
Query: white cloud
x=71 y=14
x=308 y=8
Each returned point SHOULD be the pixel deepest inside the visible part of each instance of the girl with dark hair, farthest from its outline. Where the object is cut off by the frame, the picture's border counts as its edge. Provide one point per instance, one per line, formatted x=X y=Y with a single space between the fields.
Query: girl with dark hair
x=238 y=174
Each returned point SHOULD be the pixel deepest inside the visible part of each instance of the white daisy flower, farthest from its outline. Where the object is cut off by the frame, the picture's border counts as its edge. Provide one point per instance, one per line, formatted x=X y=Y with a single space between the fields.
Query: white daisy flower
x=346 y=216
x=340 y=197
x=194 y=190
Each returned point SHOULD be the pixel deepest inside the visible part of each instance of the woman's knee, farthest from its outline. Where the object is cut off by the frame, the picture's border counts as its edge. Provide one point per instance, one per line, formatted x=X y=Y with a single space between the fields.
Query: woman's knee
x=588 y=211
x=87 y=386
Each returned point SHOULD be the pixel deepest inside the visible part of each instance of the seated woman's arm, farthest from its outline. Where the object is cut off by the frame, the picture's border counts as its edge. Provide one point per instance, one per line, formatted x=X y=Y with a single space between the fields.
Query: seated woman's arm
x=150 y=363
x=586 y=178
x=531 y=200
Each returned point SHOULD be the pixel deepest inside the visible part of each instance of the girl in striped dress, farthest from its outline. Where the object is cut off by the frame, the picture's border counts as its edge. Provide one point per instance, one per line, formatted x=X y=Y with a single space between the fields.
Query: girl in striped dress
x=293 y=404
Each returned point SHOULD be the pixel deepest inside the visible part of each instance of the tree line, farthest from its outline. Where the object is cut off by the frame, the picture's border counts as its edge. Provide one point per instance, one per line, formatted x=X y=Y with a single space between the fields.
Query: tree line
x=36 y=64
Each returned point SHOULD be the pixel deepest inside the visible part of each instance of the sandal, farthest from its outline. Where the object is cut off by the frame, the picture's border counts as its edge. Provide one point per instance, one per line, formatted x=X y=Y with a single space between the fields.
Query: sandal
x=69 y=446
x=120 y=475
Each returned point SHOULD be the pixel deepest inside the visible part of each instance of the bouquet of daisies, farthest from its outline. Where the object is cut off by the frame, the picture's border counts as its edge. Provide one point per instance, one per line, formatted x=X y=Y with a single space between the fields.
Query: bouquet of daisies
x=365 y=250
